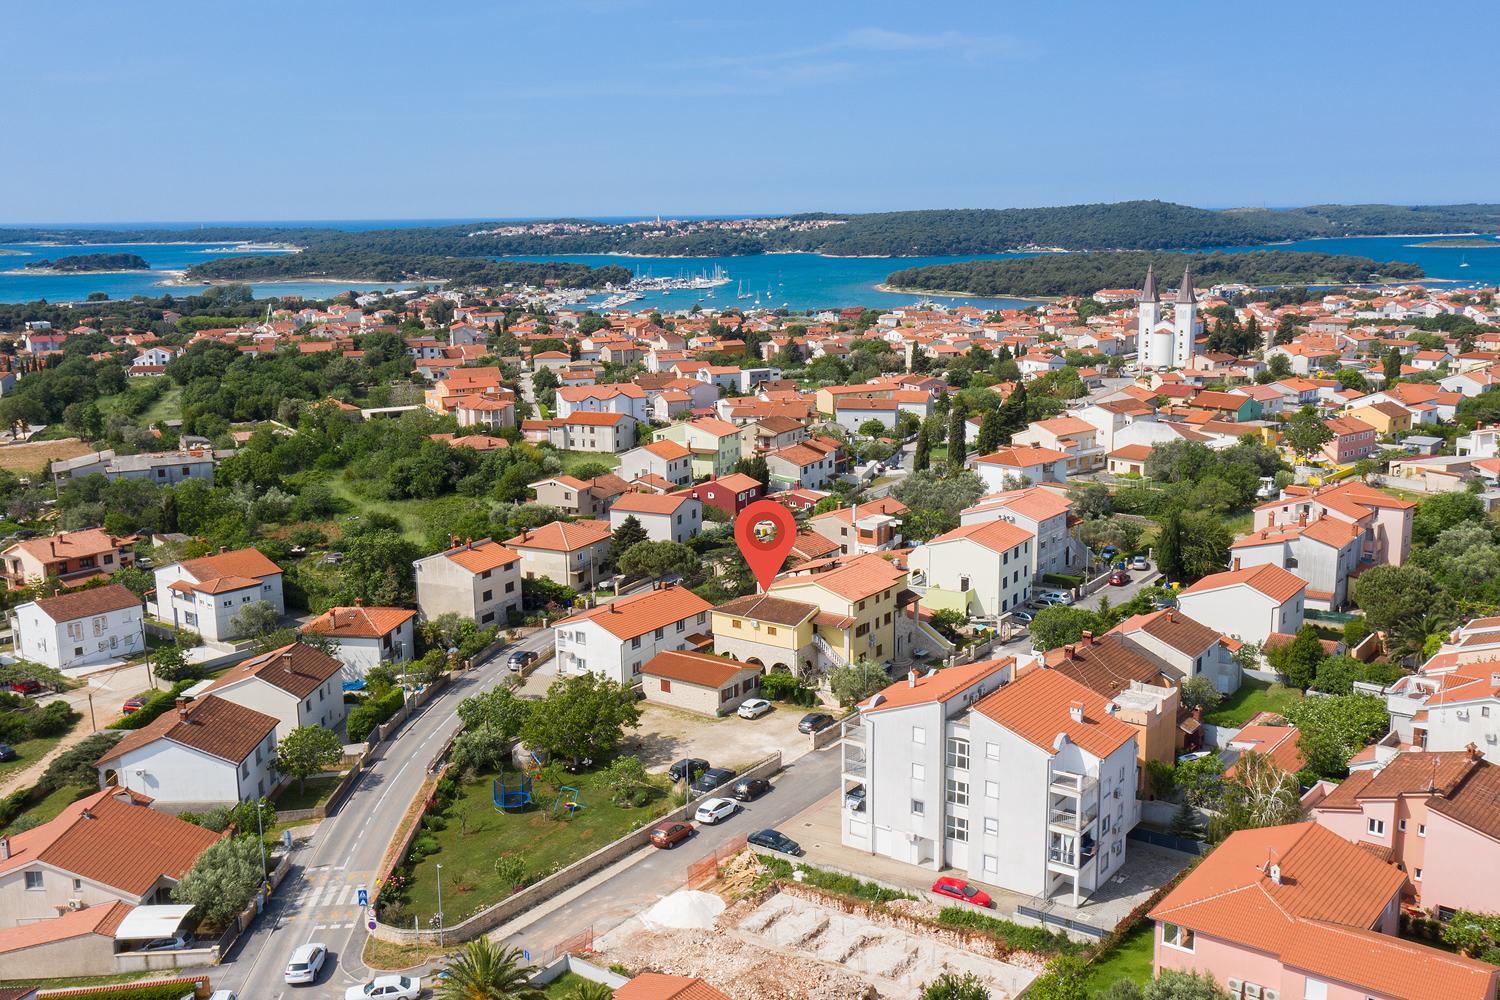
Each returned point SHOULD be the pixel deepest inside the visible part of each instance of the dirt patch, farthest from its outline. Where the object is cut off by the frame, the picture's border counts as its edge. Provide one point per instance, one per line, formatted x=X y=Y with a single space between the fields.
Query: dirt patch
x=667 y=735
x=33 y=457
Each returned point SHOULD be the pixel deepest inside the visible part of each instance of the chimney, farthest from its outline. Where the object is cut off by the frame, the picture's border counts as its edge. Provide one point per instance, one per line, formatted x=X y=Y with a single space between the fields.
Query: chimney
x=1171 y=614
x=1236 y=565
x=1068 y=652
x=1075 y=711
x=359 y=602
x=1275 y=873
x=1088 y=638
x=911 y=678
x=1302 y=516
x=1473 y=752
x=286 y=661
x=182 y=709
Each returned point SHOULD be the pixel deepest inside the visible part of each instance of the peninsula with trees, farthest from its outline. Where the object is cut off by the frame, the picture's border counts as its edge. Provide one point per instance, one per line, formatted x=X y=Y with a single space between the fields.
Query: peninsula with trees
x=90 y=263
x=331 y=265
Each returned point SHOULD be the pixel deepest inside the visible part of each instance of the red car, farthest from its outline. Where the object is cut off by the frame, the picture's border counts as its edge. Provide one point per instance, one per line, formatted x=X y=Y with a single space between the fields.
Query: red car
x=133 y=705
x=670 y=833
x=957 y=888
x=1118 y=579
x=26 y=686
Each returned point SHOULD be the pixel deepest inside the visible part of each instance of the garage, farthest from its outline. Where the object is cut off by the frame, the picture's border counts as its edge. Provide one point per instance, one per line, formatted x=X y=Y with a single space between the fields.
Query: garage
x=699 y=682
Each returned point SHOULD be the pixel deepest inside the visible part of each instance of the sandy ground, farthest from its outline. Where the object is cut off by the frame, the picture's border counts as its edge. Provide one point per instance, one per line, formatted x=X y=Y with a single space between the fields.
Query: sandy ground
x=34 y=456
x=667 y=735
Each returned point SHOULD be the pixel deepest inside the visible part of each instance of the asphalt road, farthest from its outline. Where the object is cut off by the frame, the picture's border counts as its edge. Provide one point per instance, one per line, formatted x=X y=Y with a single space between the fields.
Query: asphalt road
x=317 y=901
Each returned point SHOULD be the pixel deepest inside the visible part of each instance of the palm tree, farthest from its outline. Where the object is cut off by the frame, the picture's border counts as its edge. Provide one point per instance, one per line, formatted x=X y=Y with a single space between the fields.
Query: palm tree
x=486 y=971
x=589 y=990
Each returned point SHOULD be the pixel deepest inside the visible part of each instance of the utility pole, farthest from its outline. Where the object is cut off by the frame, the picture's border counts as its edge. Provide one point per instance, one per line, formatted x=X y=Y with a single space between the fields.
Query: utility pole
x=92 y=723
x=440 y=905
x=261 y=837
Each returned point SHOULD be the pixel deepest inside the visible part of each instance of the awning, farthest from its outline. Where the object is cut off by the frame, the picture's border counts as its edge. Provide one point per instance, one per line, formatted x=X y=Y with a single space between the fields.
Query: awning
x=146 y=923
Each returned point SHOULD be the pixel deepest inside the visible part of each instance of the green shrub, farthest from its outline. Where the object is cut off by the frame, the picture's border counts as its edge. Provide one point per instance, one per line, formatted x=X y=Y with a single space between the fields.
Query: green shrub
x=145 y=991
x=54 y=719
x=155 y=705
x=371 y=713
x=778 y=685
x=1037 y=940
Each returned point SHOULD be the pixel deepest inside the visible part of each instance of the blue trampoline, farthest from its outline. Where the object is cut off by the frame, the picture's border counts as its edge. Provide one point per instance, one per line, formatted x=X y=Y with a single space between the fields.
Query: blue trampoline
x=514 y=796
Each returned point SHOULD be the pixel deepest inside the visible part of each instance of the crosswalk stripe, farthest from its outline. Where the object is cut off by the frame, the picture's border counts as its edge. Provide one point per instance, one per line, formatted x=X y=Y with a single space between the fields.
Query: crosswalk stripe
x=348 y=890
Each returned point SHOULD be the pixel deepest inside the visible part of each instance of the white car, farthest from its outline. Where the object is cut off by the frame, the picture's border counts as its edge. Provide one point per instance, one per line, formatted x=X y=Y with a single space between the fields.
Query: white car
x=711 y=811
x=753 y=708
x=307 y=962
x=386 y=988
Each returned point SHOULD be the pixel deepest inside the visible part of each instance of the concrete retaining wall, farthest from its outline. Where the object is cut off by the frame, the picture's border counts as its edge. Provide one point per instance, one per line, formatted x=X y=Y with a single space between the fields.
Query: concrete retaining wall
x=535 y=894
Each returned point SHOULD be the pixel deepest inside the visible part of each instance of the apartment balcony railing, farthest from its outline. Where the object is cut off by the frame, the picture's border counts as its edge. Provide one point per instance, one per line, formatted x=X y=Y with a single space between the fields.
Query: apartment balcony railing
x=1073 y=859
x=1073 y=819
x=1069 y=783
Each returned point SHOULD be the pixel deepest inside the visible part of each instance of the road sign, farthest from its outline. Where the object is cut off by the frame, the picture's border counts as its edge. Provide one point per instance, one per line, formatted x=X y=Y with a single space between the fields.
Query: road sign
x=370 y=923
x=364 y=896
x=526 y=954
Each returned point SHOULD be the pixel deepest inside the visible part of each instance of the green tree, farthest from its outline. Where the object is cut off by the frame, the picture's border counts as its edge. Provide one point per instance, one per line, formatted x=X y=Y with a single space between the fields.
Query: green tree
x=627 y=779
x=1297 y=661
x=991 y=433
x=952 y=986
x=755 y=468
x=1059 y=626
x=1185 y=822
x=629 y=534
x=1439 y=513
x=1066 y=978
x=873 y=428
x=957 y=446
x=922 y=453
x=254 y=620
x=307 y=750
x=853 y=682
x=1391 y=367
x=1405 y=603
x=1174 y=985
x=223 y=880
x=1258 y=794
x=1306 y=432
x=1200 y=780
x=583 y=718
x=1169 y=547
x=171 y=665
x=1335 y=729
x=485 y=970
x=1199 y=692
x=657 y=559
x=544 y=384
x=935 y=501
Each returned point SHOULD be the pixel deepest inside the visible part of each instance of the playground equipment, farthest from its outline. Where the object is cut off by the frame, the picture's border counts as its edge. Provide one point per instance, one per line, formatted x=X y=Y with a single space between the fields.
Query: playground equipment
x=516 y=796
x=566 y=801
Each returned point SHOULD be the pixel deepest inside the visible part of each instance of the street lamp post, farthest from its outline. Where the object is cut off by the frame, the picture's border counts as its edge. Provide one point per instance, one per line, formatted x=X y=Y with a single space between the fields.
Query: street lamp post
x=440 y=905
x=261 y=836
x=92 y=723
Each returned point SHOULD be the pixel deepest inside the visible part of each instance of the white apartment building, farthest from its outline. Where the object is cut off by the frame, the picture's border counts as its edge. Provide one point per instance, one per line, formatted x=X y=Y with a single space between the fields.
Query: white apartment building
x=614 y=640
x=203 y=595
x=1026 y=784
x=668 y=517
x=1247 y=604
x=80 y=628
x=1042 y=512
x=477 y=580
x=980 y=569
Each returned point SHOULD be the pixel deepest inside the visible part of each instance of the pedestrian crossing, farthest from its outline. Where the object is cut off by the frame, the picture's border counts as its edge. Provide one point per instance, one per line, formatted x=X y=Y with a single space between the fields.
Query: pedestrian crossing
x=330 y=898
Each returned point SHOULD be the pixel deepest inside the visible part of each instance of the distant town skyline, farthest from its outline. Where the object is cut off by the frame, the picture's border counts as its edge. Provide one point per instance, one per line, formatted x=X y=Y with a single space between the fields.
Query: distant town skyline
x=617 y=108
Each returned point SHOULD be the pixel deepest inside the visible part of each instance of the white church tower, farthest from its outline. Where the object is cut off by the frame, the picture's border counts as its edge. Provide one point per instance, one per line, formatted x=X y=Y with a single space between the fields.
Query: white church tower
x=1150 y=315
x=1185 y=322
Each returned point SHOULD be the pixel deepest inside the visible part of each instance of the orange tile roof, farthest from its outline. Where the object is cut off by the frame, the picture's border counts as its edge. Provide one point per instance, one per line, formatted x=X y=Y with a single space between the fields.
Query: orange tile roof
x=587 y=418
x=295 y=668
x=562 y=536
x=1279 y=744
x=1033 y=502
x=937 y=685
x=359 y=622
x=853 y=579
x=702 y=669
x=1273 y=581
x=884 y=505
x=657 y=986
x=485 y=554
x=69 y=545
x=243 y=563
x=997 y=536
x=718 y=428
x=1037 y=708
x=1379 y=963
x=1132 y=452
x=638 y=614
x=113 y=838
x=217 y=727
x=84 y=603
x=669 y=450
x=1022 y=457
x=650 y=503
x=103 y=920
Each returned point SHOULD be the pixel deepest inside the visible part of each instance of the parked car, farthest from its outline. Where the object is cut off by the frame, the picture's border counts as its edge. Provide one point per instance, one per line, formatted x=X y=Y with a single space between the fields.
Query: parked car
x=1108 y=552
x=386 y=988
x=1054 y=599
x=687 y=769
x=751 y=788
x=957 y=888
x=27 y=686
x=813 y=721
x=854 y=798
x=222 y=995
x=133 y=704
x=712 y=778
x=753 y=708
x=144 y=563
x=1024 y=617
x=1139 y=564
x=1119 y=578
x=713 y=810
x=670 y=833
x=164 y=944
x=774 y=840
x=7 y=752
x=519 y=660
x=307 y=962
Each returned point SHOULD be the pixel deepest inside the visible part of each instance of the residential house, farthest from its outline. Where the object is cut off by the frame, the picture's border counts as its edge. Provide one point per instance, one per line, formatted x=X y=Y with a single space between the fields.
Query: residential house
x=1249 y=604
x=699 y=682
x=617 y=639
x=1187 y=646
x=1324 y=552
x=859 y=597
x=72 y=557
x=479 y=580
x=105 y=848
x=714 y=444
x=730 y=494
x=1386 y=417
x=979 y=569
x=80 y=628
x=585 y=430
x=624 y=398
x=862 y=528
x=1076 y=438
x=364 y=638
x=295 y=684
x=1026 y=784
x=667 y=459
x=210 y=751
x=1352 y=440
x=1045 y=513
x=580 y=498
x=167 y=468
x=1296 y=911
x=569 y=553
x=1384 y=520
x=770 y=632
x=203 y=595
x=1010 y=468
x=671 y=517
x=800 y=466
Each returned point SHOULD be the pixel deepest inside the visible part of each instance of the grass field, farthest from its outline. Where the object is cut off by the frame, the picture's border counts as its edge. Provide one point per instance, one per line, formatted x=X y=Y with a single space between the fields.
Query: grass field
x=476 y=833
x=316 y=792
x=1130 y=959
x=28 y=752
x=573 y=459
x=1253 y=696
x=49 y=807
x=33 y=457
x=563 y=985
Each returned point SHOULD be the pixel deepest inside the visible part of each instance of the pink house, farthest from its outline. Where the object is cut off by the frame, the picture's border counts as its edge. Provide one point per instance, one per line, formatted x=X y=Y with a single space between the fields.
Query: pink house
x=1439 y=816
x=1352 y=440
x=1296 y=913
x=1384 y=521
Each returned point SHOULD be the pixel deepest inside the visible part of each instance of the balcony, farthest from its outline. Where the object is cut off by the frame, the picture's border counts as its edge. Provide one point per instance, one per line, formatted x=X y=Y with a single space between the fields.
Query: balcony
x=1075 y=859
x=854 y=729
x=1075 y=785
x=1073 y=819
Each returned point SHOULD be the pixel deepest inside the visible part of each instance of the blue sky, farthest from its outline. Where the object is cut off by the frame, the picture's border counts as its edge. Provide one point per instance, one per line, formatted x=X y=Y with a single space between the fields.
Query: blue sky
x=330 y=110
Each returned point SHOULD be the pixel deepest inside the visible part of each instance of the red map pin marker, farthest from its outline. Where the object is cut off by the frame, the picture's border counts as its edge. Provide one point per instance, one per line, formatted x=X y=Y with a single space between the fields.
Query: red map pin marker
x=766 y=532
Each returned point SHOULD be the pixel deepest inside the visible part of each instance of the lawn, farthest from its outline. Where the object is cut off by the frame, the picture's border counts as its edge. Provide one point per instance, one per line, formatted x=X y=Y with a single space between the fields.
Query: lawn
x=573 y=459
x=563 y=985
x=1240 y=524
x=317 y=792
x=1130 y=959
x=54 y=803
x=1253 y=696
x=475 y=833
x=28 y=752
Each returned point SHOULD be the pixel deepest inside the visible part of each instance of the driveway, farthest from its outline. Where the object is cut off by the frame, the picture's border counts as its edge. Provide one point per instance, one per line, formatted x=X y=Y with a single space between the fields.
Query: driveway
x=668 y=734
x=1119 y=595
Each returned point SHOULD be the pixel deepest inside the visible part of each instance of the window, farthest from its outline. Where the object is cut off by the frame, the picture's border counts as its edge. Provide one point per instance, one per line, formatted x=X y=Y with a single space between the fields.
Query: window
x=1401 y=825
x=245 y=769
x=1375 y=826
x=991 y=863
x=34 y=880
x=487 y=596
x=682 y=626
x=918 y=772
x=956 y=828
x=510 y=586
x=635 y=643
x=1177 y=936
x=659 y=633
x=75 y=630
x=1416 y=873
x=666 y=685
x=1314 y=989
x=1421 y=829
x=918 y=735
x=957 y=791
x=77 y=884
x=992 y=789
x=1104 y=824
x=918 y=808
x=958 y=753
x=991 y=825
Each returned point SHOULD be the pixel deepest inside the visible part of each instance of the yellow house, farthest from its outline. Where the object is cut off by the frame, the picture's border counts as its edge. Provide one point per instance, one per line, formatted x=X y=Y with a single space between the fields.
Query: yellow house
x=857 y=600
x=1386 y=417
x=715 y=445
x=767 y=631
